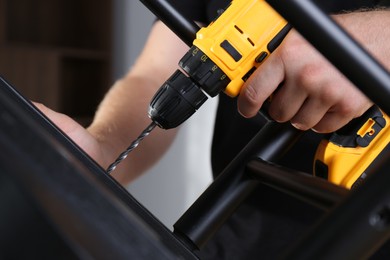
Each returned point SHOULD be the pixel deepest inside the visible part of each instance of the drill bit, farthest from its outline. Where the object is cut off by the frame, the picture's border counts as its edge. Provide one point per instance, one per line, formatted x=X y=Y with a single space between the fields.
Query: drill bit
x=132 y=146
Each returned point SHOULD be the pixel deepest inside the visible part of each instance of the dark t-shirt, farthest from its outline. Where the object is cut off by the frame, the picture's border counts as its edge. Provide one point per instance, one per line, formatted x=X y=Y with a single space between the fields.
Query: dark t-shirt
x=267 y=223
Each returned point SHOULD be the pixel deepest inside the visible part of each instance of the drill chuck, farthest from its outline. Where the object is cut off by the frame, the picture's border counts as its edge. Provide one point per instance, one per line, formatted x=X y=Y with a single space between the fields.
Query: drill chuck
x=176 y=101
x=204 y=71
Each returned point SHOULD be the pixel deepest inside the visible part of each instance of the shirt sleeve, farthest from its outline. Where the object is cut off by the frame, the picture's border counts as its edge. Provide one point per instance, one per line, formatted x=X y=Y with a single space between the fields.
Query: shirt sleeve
x=192 y=9
x=384 y=3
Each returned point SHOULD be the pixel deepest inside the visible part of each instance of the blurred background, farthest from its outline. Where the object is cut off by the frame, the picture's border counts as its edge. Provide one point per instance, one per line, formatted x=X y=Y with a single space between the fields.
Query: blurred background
x=67 y=53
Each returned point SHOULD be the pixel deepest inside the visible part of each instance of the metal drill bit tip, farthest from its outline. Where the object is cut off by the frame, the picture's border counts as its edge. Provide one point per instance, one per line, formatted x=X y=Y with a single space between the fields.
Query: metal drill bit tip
x=132 y=146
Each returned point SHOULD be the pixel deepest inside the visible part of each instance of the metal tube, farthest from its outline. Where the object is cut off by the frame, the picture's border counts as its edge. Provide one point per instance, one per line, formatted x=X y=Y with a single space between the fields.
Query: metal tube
x=345 y=53
x=199 y=223
x=360 y=224
x=356 y=228
x=308 y=188
x=180 y=25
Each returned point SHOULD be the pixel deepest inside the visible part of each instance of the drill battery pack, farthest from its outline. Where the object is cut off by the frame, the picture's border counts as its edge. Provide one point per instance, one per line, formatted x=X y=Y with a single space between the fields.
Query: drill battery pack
x=346 y=156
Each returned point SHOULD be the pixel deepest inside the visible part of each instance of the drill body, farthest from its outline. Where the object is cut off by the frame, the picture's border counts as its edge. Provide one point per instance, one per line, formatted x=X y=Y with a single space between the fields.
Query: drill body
x=236 y=43
x=223 y=56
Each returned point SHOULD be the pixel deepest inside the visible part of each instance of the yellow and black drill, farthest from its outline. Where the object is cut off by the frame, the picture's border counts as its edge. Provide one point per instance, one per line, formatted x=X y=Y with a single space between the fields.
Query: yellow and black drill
x=225 y=54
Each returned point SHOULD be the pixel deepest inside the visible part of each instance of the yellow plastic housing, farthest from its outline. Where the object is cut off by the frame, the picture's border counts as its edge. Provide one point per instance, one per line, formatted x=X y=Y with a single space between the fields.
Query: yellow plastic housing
x=346 y=165
x=248 y=25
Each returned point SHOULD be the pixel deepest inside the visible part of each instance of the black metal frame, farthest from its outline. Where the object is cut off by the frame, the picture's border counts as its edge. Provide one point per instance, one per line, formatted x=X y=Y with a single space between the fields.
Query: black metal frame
x=236 y=182
x=359 y=225
x=46 y=178
x=66 y=185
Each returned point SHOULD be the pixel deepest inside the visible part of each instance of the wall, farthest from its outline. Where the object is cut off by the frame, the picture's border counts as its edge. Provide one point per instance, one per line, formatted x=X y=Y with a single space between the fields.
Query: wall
x=184 y=172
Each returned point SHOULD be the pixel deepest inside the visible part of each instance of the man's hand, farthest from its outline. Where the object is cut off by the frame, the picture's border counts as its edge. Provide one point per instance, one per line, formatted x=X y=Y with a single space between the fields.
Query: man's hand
x=311 y=93
x=75 y=131
x=306 y=89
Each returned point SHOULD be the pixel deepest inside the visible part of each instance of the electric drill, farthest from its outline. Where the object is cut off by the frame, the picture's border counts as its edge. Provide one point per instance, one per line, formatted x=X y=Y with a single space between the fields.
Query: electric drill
x=225 y=54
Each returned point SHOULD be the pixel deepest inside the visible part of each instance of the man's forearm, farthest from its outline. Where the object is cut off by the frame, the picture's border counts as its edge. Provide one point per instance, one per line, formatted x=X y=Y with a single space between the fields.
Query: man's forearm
x=371 y=28
x=122 y=115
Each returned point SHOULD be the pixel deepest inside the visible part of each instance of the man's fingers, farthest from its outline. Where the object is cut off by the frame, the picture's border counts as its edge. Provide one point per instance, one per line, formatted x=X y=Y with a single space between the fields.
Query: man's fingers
x=260 y=86
x=61 y=120
x=286 y=102
x=330 y=122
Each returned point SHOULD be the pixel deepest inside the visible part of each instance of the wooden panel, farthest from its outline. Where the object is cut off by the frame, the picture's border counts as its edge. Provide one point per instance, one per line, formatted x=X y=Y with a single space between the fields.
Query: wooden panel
x=57 y=52
x=35 y=73
x=83 y=84
x=2 y=22
x=70 y=23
